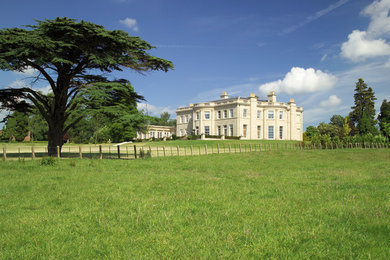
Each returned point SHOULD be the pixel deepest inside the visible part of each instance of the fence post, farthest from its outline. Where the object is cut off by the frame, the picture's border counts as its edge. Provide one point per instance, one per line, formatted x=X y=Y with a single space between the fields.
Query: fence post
x=135 y=152
x=4 y=154
x=205 y=148
x=32 y=152
x=178 y=151
x=80 y=152
x=58 y=152
x=218 y=148
x=150 y=151
x=240 y=148
x=230 y=148
x=250 y=147
x=191 y=150
x=100 y=152
x=164 y=151
x=118 y=148
x=259 y=147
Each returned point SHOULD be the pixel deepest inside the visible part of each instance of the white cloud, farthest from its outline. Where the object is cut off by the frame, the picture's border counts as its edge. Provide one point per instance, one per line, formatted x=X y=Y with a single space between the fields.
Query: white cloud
x=27 y=72
x=316 y=16
x=387 y=64
x=359 y=47
x=362 y=45
x=324 y=57
x=380 y=20
x=131 y=23
x=332 y=101
x=19 y=84
x=300 y=80
x=45 y=90
x=155 y=110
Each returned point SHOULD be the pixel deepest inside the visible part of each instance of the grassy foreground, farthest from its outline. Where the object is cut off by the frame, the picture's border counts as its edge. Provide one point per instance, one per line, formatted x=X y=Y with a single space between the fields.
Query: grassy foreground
x=296 y=204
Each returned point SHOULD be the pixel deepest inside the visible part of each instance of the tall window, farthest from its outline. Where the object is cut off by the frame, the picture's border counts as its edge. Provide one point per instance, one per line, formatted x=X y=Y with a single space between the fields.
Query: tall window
x=245 y=113
x=197 y=115
x=159 y=134
x=181 y=133
x=271 y=132
x=258 y=113
x=231 y=129
x=186 y=119
x=197 y=130
x=225 y=133
x=219 y=130
x=219 y=114
x=280 y=114
x=181 y=119
x=225 y=115
x=231 y=112
x=206 y=114
x=244 y=130
x=207 y=130
x=258 y=131
x=270 y=114
x=281 y=132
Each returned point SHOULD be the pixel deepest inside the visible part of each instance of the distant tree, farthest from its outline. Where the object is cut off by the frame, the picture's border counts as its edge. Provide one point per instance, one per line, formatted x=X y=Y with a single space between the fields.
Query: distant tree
x=70 y=56
x=311 y=131
x=37 y=126
x=337 y=120
x=328 y=129
x=16 y=126
x=384 y=117
x=364 y=106
x=346 y=128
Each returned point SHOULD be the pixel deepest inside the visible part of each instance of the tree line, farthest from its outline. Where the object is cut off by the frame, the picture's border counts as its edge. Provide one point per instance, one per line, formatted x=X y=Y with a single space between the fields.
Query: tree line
x=359 y=126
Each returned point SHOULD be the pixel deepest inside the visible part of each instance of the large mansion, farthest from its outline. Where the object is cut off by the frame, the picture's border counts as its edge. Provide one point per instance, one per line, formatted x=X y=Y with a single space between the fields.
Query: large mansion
x=248 y=118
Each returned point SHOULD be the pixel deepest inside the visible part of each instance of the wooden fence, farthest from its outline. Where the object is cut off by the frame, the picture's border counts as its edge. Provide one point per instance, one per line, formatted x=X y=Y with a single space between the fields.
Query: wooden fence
x=135 y=152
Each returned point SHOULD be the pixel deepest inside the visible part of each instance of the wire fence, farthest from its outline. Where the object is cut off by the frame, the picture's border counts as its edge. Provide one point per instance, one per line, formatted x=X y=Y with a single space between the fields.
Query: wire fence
x=135 y=152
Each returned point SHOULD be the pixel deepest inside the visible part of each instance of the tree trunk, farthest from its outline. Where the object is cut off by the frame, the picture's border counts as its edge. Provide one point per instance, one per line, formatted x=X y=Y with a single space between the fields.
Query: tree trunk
x=56 y=138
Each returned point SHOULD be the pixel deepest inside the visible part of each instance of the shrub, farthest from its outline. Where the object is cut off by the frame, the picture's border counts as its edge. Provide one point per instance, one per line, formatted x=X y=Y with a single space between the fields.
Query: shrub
x=144 y=155
x=48 y=161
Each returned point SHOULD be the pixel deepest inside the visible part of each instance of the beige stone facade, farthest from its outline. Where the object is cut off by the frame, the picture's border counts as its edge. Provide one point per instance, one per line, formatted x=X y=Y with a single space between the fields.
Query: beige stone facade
x=248 y=118
x=157 y=131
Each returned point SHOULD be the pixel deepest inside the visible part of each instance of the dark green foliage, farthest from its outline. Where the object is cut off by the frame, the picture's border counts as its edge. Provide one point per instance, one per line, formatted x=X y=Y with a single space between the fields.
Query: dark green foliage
x=71 y=56
x=364 y=106
x=311 y=131
x=16 y=126
x=329 y=129
x=163 y=120
x=337 y=120
x=37 y=126
x=384 y=118
x=48 y=161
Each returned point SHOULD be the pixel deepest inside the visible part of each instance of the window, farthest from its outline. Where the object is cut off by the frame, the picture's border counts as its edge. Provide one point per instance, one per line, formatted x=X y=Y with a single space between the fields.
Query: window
x=167 y=134
x=231 y=112
x=207 y=130
x=271 y=132
x=197 y=130
x=280 y=114
x=245 y=114
x=197 y=115
x=258 y=113
x=270 y=114
x=186 y=119
x=181 y=132
x=231 y=130
x=225 y=132
x=159 y=134
x=181 y=119
x=207 y=115
x=219 y=115
x=258 y=131
x=219 y=130
x=281 y=132
x=225 y=114
x=244 y=130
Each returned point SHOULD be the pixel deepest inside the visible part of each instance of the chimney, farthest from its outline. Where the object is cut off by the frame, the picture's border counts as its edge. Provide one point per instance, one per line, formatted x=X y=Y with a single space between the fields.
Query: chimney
x=224 y=95
x=271 y=97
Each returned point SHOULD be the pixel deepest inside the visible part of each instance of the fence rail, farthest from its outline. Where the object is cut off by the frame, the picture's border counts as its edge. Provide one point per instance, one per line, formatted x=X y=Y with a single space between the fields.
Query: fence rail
x=134 y=152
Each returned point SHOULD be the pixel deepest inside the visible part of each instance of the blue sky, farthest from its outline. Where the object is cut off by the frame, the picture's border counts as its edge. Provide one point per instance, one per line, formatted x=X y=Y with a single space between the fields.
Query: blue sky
x=312 y=51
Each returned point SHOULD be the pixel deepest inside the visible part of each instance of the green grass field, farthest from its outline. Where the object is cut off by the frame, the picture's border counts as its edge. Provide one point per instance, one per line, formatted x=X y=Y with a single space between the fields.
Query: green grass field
x=278 y=204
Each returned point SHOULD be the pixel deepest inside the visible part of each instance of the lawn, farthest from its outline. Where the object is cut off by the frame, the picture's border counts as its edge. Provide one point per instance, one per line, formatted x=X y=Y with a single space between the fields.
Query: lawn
x=277 y=204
